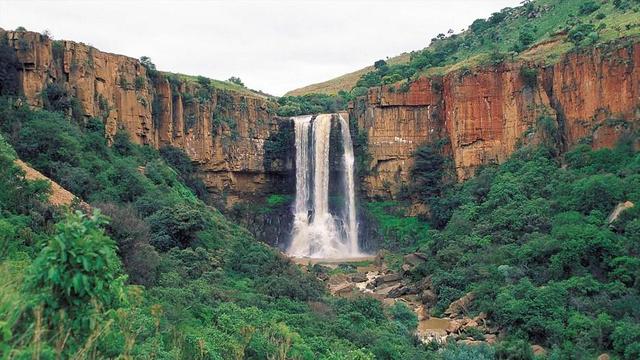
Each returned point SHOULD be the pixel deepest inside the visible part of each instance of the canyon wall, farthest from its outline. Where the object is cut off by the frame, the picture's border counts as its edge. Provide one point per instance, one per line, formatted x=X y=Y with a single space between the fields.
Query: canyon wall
x=591 y=96
x=242 y=149
x=227 y=133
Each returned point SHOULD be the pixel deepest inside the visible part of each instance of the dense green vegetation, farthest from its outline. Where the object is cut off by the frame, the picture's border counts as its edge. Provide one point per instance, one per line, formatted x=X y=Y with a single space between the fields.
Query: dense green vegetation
x=507 y=34
x=532 y=240
x=157 y=273
x=312 y=104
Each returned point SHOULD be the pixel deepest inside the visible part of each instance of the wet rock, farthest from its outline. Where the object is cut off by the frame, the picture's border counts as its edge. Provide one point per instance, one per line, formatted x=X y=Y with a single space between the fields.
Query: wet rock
x=359 y=277
x=459 y=306
x=454 y=326
x=428 y=298
x=387 y=278
x=401 y=290
x=424 y=283
x=415 y=259
x=342 y=289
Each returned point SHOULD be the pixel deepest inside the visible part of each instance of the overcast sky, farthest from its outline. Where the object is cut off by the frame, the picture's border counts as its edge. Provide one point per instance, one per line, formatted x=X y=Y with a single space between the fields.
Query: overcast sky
x=274 y=46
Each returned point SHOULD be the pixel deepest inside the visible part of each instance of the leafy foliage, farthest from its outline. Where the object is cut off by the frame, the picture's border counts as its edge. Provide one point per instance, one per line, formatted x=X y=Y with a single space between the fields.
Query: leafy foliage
x=531 y=239
x=211 y=291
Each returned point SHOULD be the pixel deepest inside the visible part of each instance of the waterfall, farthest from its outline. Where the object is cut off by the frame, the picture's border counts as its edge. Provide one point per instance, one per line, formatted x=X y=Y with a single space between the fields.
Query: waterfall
x=348 y=163
x=316 y=232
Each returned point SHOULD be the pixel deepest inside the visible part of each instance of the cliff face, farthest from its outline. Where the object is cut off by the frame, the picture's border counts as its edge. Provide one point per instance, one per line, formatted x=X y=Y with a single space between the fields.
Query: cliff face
x=227 y=133
x=592 y=96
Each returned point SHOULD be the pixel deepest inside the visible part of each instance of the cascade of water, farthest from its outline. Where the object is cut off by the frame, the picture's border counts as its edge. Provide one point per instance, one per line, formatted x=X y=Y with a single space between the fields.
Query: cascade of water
x=349 y=214
x=302 y=125
x=315 y=230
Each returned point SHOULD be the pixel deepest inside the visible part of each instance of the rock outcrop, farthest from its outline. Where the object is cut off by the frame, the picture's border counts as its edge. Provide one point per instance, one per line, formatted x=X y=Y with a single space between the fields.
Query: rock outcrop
x=241 y=148
x=226 y=133
x=591 y=96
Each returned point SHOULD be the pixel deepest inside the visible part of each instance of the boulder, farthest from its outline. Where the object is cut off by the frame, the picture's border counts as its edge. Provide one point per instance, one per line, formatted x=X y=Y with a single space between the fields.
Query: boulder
x=401 y=290
x=415 y=259
x=470 y=324
x=538 y=350
x=454 y=326
x=459 y=306
x=470 y=342
x=342 y=289
x=604 y=356
x=359 y=277
x=618 y=210
x=424 y=283
x=490 y=339
x=387 y=278
x=428 y=298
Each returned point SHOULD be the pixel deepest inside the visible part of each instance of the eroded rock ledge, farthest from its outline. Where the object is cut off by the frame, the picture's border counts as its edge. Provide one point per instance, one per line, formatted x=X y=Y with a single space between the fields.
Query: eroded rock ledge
x=233 y=136
x=592 y=96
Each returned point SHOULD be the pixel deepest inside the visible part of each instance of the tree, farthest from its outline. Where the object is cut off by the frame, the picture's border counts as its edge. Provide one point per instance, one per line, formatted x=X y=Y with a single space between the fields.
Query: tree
x=379 y=64
x=78 y=269
x=236 y=80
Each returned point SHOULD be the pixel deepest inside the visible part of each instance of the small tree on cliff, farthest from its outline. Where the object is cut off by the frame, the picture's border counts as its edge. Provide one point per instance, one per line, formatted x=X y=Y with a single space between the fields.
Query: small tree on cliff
x=236 y=80
x=150 y=66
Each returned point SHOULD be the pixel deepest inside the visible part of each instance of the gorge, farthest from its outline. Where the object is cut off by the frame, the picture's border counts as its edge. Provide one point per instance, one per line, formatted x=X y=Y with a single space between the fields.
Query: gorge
x=474 y=199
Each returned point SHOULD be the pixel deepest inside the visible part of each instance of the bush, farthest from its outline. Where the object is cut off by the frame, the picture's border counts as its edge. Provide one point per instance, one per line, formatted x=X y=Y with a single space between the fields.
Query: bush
x=236 y=80
x=588 y=7
x=78 y=266
x=132 y=235
x=529 y=76
x=176 y=226
x=401 y=313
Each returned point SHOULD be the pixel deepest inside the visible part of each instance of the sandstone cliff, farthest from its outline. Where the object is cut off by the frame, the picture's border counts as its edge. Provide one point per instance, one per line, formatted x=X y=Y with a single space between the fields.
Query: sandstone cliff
x=227 y=133
x=591 y=96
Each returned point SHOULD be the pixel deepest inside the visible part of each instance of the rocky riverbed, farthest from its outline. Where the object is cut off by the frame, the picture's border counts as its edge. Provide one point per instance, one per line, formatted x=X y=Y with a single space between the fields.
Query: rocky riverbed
x=370 y=276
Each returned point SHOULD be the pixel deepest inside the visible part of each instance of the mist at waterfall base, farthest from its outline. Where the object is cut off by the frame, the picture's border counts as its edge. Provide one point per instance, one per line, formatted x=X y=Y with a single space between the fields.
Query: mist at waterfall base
x=317 y=231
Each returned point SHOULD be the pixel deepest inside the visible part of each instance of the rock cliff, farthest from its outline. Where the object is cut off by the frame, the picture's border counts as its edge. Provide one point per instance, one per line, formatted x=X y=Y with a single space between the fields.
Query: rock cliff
x=242 y=148
x=591 y=96
x=232 y=135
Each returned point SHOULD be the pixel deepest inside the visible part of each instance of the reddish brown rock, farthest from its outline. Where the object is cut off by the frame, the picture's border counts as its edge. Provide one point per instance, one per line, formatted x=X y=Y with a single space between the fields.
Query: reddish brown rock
x=591 y=95
x=118 y=90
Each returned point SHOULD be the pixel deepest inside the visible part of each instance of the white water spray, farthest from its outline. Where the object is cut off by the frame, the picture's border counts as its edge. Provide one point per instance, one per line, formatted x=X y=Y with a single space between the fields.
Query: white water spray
x=316 y=232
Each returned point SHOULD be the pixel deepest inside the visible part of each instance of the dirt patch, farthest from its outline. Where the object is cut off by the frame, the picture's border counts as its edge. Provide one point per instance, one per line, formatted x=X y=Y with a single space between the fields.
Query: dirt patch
x=59 y=196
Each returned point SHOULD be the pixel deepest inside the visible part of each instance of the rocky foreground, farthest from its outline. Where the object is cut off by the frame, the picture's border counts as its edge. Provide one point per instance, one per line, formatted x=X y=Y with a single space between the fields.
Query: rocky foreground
x=372 y=277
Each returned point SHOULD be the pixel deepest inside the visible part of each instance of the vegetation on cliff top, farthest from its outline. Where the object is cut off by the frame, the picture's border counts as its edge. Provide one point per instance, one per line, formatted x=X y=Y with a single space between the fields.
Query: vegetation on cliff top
x=537 y=30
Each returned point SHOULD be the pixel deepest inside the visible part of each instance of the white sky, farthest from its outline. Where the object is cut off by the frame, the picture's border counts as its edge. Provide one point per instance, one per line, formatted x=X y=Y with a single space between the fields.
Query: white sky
x=274 y=46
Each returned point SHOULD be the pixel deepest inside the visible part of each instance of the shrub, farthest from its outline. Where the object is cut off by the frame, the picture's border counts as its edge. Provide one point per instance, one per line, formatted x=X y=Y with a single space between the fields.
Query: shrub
x=139 y=83
x=132 y=235
x=176 y=226
x=78 y=266
x=401 y=313
x=588 y=7
x=236 y=80
x=529 y=76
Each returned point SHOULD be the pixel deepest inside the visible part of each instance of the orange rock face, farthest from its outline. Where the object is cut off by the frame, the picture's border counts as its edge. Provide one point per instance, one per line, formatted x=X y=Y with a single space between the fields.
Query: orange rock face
x=224 y=132
x=396 y=123
x=592 y=97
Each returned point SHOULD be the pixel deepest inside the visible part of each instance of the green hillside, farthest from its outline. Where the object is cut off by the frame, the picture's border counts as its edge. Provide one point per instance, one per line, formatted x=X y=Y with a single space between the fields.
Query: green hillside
x=539 y=30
